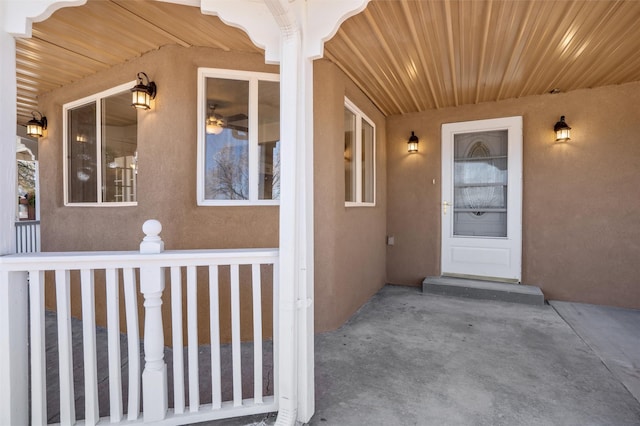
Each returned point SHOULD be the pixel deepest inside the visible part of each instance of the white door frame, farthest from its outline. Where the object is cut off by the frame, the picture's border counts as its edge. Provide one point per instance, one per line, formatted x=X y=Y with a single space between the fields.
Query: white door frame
x=494 y=258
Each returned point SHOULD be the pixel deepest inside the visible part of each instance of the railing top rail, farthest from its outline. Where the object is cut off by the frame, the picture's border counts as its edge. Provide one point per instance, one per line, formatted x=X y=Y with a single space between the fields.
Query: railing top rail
x=27 y=222
x=135 y=259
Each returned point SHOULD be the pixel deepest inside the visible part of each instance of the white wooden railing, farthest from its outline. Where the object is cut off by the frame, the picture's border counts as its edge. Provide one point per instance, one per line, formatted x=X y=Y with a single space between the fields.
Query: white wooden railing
x=27 y=236
x=149 y=387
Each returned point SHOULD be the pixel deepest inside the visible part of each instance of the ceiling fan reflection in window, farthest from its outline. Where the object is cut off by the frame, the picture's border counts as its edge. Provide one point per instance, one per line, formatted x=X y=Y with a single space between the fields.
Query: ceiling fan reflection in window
x=216 y=123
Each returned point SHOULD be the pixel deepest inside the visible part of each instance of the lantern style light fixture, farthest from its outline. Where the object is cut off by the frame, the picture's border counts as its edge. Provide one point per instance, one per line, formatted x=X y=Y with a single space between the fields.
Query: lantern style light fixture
x=142 y=93
x=412 y=144
x=214 y=124
x=36 y=126
x=563 y=131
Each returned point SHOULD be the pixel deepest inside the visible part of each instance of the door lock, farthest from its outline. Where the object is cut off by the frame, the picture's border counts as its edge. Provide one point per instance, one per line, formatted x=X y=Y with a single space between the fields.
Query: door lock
x=445 y=204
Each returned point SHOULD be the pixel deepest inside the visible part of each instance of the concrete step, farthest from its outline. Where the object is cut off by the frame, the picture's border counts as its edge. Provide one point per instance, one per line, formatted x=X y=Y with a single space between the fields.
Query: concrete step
x=478 y=289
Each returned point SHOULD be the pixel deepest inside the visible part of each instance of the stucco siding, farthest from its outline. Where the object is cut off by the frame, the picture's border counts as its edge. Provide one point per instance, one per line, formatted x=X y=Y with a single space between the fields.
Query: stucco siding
x=581 y=229
x=349 y=241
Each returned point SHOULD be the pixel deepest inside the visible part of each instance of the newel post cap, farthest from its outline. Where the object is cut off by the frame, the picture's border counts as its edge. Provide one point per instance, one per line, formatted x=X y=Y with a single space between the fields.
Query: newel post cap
x=152 y=243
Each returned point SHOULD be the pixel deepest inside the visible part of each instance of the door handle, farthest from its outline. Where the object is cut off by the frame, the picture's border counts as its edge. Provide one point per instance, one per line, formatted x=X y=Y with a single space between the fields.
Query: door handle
x=445 y=204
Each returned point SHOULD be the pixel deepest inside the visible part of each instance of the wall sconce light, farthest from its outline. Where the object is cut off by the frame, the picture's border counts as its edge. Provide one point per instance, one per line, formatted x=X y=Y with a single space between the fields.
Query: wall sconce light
x=412 y=144
x=143 y=93
x=563 y=131
x=214 y=124
x=35 y=126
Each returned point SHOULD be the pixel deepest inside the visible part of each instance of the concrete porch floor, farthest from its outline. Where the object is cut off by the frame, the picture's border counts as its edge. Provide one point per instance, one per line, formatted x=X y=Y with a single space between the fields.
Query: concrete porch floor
x=411 y=359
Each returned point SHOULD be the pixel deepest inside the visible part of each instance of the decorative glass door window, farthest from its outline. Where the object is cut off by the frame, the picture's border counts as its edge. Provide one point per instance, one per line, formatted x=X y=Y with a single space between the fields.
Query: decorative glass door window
x=480 y=184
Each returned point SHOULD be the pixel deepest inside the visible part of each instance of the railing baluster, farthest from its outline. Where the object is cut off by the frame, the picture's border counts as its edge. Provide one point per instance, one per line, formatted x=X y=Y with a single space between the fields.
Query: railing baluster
x=63 y=304
x=113 y=339
x=91 y=411
x=256 y=286
x=214 y=321
x=235 y=336
x=147 y=386
x=178 y=340
x=38 y=349
x=27 y=234
x=133 y=342
x=192 y=334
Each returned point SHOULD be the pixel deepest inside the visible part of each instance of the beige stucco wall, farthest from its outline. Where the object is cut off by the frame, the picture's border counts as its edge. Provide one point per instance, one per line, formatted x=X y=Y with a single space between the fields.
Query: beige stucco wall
x=166 y=162
x=581 y=200
x=350 y=253
x=349 y=241
x=166 y=189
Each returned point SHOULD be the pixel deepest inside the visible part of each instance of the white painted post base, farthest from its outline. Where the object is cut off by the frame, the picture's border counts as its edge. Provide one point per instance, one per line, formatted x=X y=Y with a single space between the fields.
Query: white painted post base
x=14 y=354
x=155 y=402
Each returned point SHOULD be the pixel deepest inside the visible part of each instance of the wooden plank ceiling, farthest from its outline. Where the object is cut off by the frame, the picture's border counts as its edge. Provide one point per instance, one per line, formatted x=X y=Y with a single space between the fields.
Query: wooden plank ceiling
x=406 y=55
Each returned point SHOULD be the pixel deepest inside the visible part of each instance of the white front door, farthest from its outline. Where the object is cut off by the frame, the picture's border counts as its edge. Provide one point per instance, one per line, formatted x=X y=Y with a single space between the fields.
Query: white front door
x=482 y=199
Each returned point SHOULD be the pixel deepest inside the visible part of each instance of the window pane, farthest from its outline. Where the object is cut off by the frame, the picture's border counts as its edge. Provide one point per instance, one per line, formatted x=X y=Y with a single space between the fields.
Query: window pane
x=119 y=148
x=480 y=184
x=368 y=178
x=349 y=154
x=82 y=171
x=227 y=150
x=269 y=140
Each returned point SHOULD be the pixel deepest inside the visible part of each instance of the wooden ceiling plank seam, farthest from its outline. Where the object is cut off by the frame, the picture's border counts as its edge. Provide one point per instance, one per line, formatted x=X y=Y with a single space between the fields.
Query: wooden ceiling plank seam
x=612 y=46
x=364 y=89
x=354 y=49
x=339 y=50
x=401 y=73
x=539 y=42
x=483 y=50
x=422 y=58
x=451 y=51
x=474 y=23
x=521 y=65
x=195 y=26
x=78 y=45
x=48 y=52
x=502 y=24
x=380 y=61
x=152 y=26
x=83 y=19
x=438 y=51
x=81 y=33
x=600 y=22
x=162 y=16
x=562 y=53
x=516 y=51
x=615 y=77
x=545 y=44
x=31 y=80
x=34 y=69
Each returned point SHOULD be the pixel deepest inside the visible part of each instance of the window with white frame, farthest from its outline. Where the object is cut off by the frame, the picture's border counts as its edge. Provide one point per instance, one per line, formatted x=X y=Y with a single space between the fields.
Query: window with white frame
x=101 y=149
x=359 y=157
x=238 y=137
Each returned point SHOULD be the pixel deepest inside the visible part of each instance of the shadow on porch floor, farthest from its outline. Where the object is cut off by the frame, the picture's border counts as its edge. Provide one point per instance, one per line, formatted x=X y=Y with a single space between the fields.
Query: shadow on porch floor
x=411 y=359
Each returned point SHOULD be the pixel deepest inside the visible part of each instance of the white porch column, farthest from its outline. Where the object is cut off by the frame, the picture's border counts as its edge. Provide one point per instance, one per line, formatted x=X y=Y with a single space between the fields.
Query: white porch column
x=293 y=32
x=14 y=408
x=15 y=21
